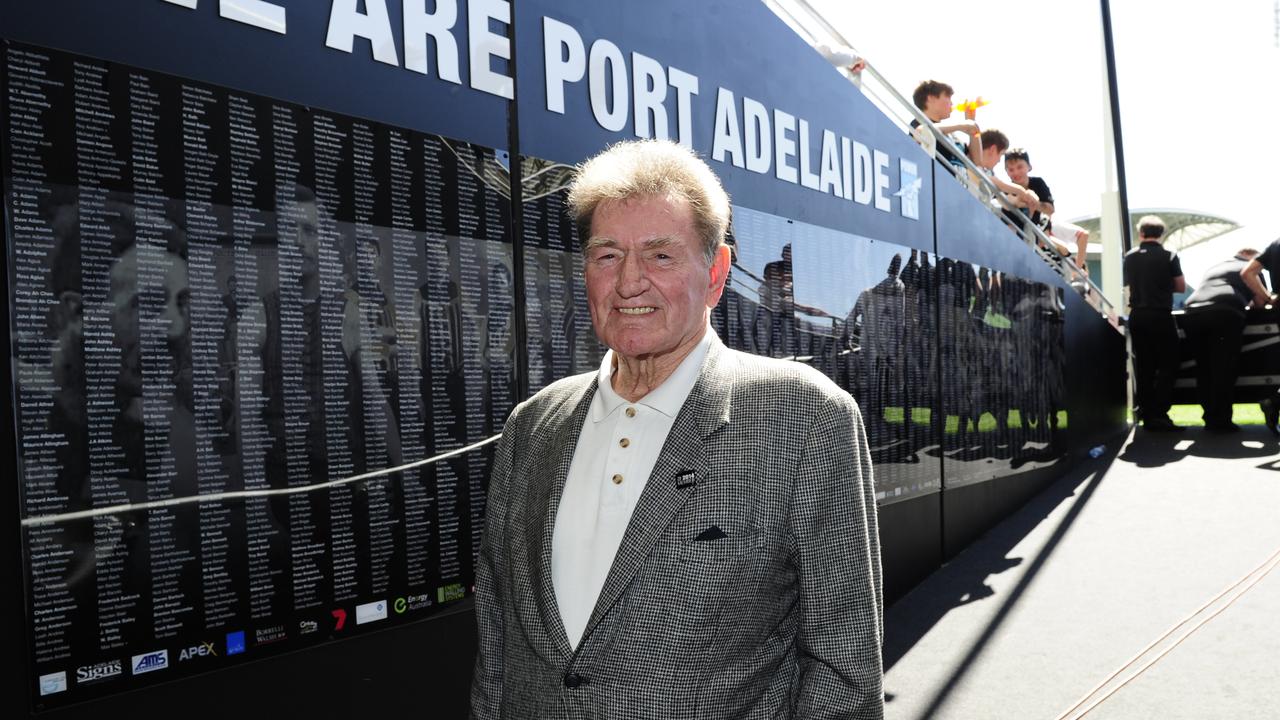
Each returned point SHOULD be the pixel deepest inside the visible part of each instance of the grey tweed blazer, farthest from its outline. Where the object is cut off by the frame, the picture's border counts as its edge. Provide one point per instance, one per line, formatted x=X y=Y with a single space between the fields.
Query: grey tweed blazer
x=780 y=618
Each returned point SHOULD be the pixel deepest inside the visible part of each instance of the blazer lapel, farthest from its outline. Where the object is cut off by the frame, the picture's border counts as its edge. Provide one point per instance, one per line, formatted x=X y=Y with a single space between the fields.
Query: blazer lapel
x=562 y=432
x=681 y=465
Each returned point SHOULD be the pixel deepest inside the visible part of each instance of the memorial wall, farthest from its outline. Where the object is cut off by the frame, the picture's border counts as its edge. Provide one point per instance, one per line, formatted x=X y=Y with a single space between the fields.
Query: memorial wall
x=215 y=292
x=247 y=268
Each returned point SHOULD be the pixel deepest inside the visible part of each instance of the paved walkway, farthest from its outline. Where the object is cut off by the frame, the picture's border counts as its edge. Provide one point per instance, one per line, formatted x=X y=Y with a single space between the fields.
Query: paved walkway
x=1028 y=621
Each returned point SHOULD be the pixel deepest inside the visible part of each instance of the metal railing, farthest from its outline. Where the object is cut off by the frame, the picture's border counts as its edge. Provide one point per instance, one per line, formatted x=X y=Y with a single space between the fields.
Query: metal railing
x=814 y=28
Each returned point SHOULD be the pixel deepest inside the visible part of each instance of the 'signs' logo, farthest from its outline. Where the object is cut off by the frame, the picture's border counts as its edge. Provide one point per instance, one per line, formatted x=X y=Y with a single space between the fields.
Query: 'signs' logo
x=150 y=662
x=204 y=649
x=86 y=674
x=235 y=642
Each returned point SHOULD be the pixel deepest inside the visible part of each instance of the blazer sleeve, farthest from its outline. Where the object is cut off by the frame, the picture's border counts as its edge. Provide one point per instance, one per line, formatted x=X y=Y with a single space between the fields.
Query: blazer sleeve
x=833 y=525
x=491 y=576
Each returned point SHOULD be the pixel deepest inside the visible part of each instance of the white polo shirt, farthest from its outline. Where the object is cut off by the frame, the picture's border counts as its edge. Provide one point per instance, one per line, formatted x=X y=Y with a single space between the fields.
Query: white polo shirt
x=617 y=448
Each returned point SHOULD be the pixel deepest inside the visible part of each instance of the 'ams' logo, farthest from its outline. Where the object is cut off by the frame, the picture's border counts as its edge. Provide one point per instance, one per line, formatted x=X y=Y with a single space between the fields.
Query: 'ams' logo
x=150 y=662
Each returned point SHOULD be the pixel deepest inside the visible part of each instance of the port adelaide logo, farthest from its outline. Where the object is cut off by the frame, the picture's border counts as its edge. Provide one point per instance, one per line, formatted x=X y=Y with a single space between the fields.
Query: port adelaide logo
x=86 y=674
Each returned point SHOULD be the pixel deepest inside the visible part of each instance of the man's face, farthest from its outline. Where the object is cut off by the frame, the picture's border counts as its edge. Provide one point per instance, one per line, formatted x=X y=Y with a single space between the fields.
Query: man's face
x=991 y=156
x=938 y=107
x=1017 y=170
x=648 y=282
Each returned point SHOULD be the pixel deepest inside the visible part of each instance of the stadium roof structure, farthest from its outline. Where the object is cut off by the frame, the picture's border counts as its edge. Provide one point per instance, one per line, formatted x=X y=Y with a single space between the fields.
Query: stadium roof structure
x=1183 y=228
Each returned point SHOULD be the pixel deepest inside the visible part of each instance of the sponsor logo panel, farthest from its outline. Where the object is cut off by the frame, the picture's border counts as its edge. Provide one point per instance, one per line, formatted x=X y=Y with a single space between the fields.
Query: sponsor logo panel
x=53 y=683
x=150 y=662
x=99 y=672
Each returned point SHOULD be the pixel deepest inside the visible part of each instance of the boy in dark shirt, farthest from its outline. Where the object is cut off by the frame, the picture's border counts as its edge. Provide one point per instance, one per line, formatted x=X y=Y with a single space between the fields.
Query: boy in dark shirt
x=1017 y=165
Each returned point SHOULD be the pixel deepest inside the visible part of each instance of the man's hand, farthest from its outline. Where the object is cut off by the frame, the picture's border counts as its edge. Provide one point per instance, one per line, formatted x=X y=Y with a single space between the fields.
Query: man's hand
x=1030 y=200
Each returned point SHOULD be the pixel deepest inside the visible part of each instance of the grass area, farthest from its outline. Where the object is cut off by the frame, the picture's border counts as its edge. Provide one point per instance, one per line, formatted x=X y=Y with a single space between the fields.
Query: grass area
x=1189 y=415
x=1241 y=414
x=986 y=423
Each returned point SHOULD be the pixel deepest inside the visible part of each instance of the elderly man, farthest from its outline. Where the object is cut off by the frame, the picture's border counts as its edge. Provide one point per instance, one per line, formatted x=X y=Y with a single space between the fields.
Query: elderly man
x=1152 y=275
x=689 y=531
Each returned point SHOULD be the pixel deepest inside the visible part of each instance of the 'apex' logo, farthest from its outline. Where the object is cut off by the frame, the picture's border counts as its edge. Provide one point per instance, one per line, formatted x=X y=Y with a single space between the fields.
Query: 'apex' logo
x=204 y=649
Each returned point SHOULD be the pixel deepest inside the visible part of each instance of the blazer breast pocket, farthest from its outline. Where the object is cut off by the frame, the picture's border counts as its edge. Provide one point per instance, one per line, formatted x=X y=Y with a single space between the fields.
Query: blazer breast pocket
x=712 y=548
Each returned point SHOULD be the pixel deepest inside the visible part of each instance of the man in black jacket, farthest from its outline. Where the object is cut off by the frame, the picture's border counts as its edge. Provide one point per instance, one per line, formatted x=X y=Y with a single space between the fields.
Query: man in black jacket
x=1214 y=324
x=1151 y=276
x=1268 y=260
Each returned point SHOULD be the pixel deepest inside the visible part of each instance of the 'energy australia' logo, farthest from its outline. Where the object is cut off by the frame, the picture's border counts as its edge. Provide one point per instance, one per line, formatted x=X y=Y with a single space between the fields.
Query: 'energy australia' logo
x=910 y=182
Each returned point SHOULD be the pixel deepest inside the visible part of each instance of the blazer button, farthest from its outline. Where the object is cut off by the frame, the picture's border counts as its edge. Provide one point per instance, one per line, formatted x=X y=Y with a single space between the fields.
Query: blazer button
x=573 y=680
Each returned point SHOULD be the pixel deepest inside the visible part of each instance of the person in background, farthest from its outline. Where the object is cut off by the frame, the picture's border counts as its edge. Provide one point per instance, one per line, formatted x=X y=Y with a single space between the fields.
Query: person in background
x=845 y=59
x=1017 y=165
x=1151 y=276
x=933 y=98
x=994 y=143
x=1214 y=324
x=1268 y=260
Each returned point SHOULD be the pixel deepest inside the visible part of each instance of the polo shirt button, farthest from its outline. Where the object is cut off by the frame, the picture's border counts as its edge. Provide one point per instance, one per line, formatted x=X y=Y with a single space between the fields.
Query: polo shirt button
x=631 y=412
x=624 y=442
x=617 y=479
